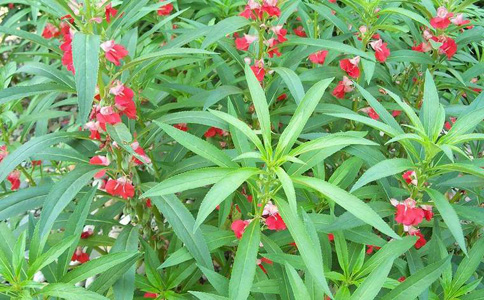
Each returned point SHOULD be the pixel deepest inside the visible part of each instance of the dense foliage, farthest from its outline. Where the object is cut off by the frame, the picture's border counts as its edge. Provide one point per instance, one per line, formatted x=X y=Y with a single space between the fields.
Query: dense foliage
x=223 y=149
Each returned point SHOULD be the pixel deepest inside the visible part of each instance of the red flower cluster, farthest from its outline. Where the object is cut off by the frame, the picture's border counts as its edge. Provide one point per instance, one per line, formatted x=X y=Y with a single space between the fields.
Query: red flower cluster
x=80 y=256
x=410 y=215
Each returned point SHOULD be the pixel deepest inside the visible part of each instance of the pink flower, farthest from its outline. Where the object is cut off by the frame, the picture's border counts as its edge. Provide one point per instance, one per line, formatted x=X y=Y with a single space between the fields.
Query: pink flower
x=238 y=227
x=252 y=10
x=166 y=9
x=350 y=66
x=343 y=87
x=120 y=187
x=458 y=20
x=381 y=50
x=318 y=57
x=107 y=115
x=410 y=177
x=94 y=128
x=114 y=52
x=110 y=12
x=99 y=160
x=407 y=212
x=441 y=21
x=280 y=32
x=14 y=178
x=50 y=31
x=299 y=31
x=3 y=152
x=141 y=152
x=243 y=43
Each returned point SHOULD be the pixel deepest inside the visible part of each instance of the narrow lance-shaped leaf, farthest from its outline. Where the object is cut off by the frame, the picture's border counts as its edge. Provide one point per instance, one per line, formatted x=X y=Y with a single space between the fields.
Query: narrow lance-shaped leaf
x=450 y=217
x=85 y=54
x=220 y=191
x=244 y=268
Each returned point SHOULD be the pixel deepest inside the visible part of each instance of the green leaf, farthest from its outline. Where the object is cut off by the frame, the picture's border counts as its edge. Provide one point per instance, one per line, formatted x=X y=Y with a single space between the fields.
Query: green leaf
x=223 y=28
x=85 y=54
x=468 y=265
x=410 y=56
x=301 y=117
x=328 y=45
x=23 y=200
x=51 y=255
x=349 y=202
x=298 y=287
x=450 y=217
x=69 y=292
x=198 y=146
x=407 y=13
x=183 y=223
x=188 y=180
x=97 y=266
x=370 y=287
x=260 y=104
x=244 y=268
x=312 y=257
x=432 y=114
x=220 y=191
x=28 y=149
x=292 y=82
x=414 y=285
x=48 y=71
x=20 y=92
x=74 y=227
x=288 y=187
x=383 y=169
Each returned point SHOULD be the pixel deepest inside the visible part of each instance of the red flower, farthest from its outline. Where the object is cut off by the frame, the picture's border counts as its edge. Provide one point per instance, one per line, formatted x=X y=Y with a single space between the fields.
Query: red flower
x=428 y=213
x=86 y=234
x=270 y=7
x=281 y=97
x=80 y=256
x=166 y=9
x=280 y=32
x=181 y=126
x=371 y=113
x=148 y=203
x=273 y=50
x=299 y=31
x=371 y=248
x=447 y=125
x=99 y=160
x=243 y=43
x=238 y=227
x=330 y=237
x=252 y=10
x=120 y=187
x=264 y=260
x=422 y=47
x=124 y=100
x=350 y=66
x=66 y=47
x=141 y=152
x=259 y=71
x=318 y=57
x=410 y=177
x=407 y=212
x=107 y=115
x=421 y=239
x=381 y=50
x=442 y=20
x=150 y=295
x=213 y=131
x=272 y=218
x=94 y=128
x=396 y=113
x=449 y=47
x=343 y=87
x=50 y=31
x=14 y=178
x=110 y=12
x=402 y=279
x=3 y=152
x=114 y=52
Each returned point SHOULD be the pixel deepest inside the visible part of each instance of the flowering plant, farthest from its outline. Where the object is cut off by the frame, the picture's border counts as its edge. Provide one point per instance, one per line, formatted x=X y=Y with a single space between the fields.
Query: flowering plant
x=260 y=149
